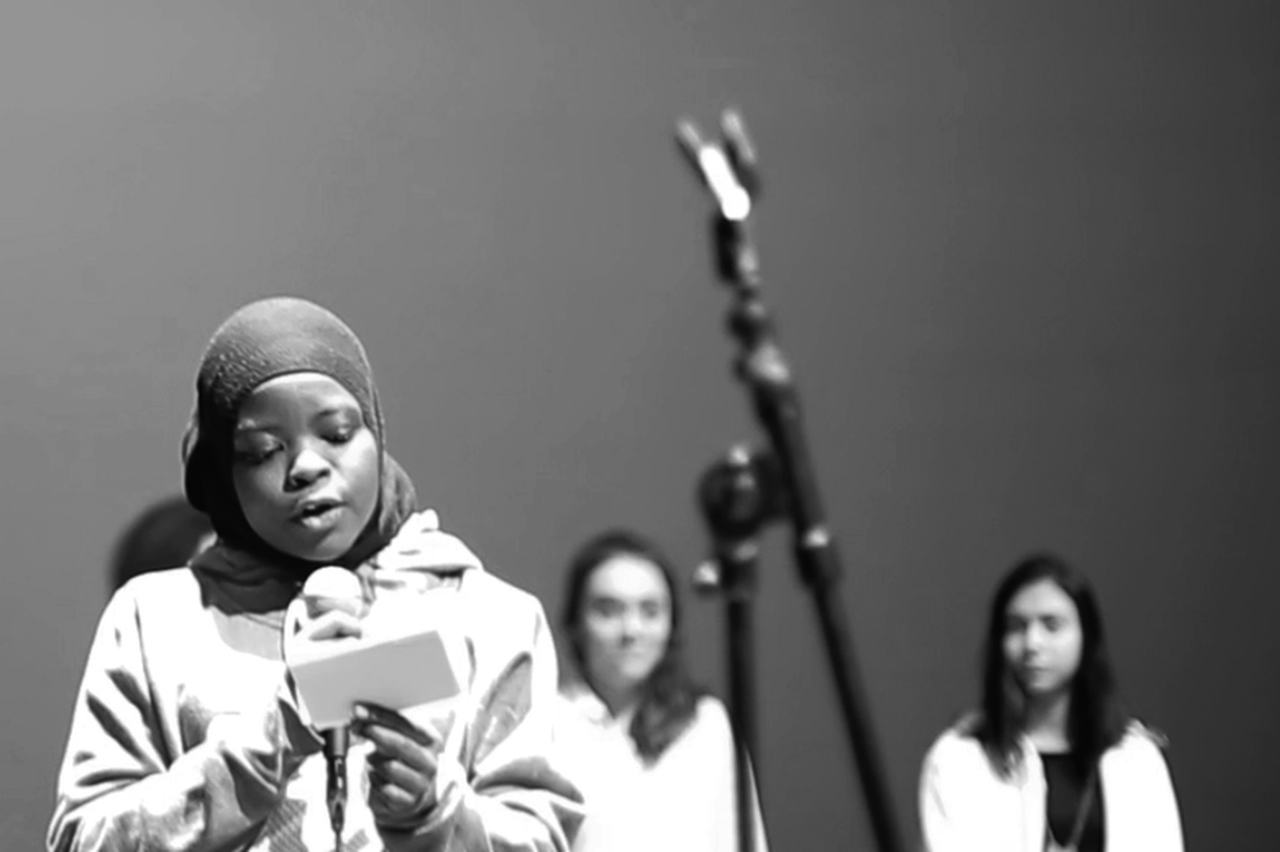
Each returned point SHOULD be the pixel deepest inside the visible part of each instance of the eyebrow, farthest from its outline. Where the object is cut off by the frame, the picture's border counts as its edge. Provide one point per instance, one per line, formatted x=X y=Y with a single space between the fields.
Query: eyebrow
x=250 y=425
x=646 y=599
x=244 y=427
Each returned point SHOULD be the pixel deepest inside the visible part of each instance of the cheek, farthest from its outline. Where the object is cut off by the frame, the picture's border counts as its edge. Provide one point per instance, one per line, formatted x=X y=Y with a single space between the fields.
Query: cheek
x=1073 y=649
x=361 y=466
x=596 y=653
x=253 y=490
x=601 y=644
x=661 y=633
x=598 y=635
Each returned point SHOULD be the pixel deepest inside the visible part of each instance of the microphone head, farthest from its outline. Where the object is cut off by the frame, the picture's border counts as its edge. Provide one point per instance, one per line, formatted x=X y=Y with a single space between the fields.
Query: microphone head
x=333 y=587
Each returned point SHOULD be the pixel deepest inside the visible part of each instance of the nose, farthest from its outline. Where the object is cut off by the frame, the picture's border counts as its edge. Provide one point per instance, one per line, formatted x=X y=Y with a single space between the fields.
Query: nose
x=308 y=466
x=1034 y=637
x=631 y=625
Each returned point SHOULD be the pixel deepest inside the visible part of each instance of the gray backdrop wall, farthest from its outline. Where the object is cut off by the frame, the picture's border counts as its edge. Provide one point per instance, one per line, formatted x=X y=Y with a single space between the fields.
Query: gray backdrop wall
x=1022 y=255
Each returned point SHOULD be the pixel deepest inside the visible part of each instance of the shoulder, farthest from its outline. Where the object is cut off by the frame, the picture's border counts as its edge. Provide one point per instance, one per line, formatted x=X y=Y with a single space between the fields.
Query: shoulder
x=500 y=616
x=706 y=739
x=957 y=744
x=961 y=734
x=1140 y=744
x=1137 y=764
x=575 y=700
x=162 y=582
x=155 y=589
x=712 y=713
x=499 y=596
x=157 y=600
x=1139 y=731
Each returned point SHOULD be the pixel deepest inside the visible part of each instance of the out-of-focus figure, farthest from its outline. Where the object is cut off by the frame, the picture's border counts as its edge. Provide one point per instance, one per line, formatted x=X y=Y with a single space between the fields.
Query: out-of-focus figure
x=652 y=752
x=1050 y=761
x=166 y=534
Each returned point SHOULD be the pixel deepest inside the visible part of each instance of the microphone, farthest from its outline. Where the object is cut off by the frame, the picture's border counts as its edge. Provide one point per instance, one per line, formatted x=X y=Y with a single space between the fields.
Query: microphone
x=328 y=589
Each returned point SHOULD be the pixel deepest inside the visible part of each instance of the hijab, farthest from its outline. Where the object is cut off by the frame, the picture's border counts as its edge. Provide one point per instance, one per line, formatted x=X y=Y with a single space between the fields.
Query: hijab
x=261 y=341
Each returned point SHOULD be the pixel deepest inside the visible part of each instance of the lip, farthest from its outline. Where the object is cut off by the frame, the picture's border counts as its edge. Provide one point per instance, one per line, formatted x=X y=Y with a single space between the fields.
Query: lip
x=315 y=507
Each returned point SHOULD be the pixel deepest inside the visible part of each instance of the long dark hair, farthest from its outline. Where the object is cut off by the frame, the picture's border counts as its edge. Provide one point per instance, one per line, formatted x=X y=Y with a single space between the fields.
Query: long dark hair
x=668 y=697
x=1096 y=719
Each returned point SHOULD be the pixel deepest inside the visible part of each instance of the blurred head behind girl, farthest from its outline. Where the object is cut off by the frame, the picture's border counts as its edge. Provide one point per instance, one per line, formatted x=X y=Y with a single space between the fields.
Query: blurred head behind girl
x=622 y=618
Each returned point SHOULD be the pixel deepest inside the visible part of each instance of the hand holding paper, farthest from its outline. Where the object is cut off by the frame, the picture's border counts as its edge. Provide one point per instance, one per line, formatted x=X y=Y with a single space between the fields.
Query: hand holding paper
x=403 y=767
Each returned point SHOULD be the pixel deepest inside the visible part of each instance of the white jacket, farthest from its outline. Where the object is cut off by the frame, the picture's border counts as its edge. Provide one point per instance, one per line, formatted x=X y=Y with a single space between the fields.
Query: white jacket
x=686 y=801
x=966 y=807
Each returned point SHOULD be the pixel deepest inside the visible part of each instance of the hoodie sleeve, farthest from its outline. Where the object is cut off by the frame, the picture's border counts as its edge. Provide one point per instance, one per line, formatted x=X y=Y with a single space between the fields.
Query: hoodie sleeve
x=503 y=793
x=119 y=786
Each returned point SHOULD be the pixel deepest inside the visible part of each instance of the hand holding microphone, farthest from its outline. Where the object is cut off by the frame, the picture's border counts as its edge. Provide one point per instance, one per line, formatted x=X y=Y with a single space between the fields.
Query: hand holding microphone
x=334 y=603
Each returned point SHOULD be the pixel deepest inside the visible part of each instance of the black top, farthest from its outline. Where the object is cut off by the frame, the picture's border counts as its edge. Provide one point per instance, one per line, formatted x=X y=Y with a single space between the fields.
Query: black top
x=1067 y=780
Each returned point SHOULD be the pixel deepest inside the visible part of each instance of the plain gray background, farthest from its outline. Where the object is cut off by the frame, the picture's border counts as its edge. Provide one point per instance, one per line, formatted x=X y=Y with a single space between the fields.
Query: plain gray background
x=1022 y=256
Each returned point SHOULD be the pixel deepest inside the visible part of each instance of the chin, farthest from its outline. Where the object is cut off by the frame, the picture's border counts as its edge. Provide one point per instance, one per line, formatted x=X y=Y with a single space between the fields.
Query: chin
x=637 y=674
x=1044 y=687
x=324 y=552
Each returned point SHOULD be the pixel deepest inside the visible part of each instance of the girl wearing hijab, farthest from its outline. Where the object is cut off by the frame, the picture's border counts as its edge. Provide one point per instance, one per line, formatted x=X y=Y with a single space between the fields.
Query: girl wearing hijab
x=1051 y=762
x=187 y=733
x=654 y=753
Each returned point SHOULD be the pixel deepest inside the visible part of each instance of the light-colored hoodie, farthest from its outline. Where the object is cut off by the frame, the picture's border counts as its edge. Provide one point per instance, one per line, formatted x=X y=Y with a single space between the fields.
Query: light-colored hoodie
x=965 y=806
x=186 y=734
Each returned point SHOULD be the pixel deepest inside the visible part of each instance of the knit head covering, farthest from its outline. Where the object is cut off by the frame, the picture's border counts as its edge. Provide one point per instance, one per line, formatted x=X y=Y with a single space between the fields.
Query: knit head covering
x=262 y=340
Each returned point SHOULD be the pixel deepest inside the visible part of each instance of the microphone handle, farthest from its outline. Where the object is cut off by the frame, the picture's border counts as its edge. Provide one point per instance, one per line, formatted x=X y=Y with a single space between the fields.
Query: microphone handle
x=336 y=741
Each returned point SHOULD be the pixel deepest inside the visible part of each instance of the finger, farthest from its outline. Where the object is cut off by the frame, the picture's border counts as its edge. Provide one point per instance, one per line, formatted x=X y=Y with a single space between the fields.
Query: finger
x=375 y=716
x=383 y=770
x=390 y=800
x=393 y=744
x=334 y=624
x=317 y=606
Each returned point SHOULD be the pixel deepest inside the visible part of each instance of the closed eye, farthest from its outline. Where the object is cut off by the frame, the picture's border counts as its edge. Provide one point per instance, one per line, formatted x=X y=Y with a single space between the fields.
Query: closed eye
x=340 y=437
x=606 y=607
x=651 y=609
x=255 y=456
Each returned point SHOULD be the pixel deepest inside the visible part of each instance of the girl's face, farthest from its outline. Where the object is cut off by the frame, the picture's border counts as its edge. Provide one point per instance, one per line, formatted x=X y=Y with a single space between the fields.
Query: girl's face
x=1043 y=639
x=626 y=623
x=306 y=466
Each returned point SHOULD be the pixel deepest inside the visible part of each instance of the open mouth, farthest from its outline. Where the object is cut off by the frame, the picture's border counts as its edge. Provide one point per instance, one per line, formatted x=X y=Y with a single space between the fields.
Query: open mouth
x=317 y=513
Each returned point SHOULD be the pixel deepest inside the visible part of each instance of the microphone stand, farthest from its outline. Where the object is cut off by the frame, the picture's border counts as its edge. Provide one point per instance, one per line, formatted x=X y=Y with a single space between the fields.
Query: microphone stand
x=748 y=490
x=735 y=506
